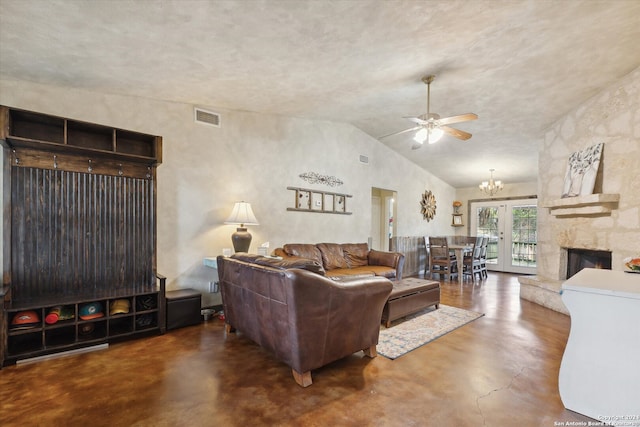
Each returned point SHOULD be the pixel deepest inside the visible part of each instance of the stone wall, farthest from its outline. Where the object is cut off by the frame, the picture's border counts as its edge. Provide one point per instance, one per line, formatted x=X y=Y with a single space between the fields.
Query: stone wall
x=611 y=117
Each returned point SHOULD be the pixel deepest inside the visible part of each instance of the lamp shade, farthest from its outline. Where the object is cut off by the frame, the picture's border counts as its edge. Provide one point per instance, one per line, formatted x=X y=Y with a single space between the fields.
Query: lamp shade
x=242 y=214
x=435 y=135
x=428 y=134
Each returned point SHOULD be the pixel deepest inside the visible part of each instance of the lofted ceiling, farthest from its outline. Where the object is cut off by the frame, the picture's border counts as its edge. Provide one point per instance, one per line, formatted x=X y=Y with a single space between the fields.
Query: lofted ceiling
x=519 y=64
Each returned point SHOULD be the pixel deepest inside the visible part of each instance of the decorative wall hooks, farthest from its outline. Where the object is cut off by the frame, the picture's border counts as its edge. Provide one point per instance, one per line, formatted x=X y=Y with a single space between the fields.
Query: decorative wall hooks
x=316 y=178
x=307 y=200
x=428 y=206
x=60 y=161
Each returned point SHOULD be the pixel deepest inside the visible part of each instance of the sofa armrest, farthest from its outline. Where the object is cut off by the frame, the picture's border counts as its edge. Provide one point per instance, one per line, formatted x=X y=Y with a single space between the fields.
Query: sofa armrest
x=389 y=259
x=279 y=252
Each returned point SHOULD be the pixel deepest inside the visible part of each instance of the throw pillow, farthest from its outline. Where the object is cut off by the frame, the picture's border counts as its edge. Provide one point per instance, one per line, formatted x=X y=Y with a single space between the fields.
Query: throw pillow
x=303 y=250
x=332 y=256
x=356 y=254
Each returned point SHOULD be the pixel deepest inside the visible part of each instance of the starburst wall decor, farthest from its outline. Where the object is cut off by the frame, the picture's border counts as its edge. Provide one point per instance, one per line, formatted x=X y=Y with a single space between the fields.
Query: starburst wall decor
x=428 y=206
x=316 y=178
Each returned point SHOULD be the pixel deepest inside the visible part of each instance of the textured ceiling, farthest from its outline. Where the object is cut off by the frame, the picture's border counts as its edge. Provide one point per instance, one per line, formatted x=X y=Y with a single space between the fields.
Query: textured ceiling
x=519 y=65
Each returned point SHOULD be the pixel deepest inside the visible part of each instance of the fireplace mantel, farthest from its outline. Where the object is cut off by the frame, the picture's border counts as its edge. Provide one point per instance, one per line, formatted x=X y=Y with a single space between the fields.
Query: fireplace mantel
x=592 y=204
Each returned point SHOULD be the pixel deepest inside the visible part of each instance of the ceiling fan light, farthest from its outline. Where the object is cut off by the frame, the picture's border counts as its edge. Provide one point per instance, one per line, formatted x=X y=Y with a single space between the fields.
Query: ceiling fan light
x=435 y=135
x=421 y=136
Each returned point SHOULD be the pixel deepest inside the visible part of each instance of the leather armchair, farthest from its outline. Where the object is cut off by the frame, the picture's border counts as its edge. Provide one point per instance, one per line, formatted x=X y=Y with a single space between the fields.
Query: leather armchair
x=307 y=320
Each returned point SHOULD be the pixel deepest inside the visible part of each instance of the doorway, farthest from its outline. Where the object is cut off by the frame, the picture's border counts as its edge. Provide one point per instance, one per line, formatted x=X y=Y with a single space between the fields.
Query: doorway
x=383 y=218
x=511 y=226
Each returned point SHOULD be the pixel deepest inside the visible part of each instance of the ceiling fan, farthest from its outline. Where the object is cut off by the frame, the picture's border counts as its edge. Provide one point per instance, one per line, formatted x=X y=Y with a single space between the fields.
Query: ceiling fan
x=431 y=127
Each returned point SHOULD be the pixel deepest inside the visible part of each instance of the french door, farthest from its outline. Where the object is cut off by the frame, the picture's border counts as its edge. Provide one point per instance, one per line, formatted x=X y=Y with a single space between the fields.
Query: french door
x=511 y=226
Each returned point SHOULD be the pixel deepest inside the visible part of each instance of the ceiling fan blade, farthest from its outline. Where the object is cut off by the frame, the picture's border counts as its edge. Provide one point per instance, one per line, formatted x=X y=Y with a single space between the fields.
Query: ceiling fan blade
x=417 y=145
x=458 y=119
x=417 y=120
x=398 y=133
x=460 y=134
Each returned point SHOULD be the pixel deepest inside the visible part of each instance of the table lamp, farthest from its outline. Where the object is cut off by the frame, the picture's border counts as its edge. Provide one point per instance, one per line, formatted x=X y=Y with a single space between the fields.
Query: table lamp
x=241 y=215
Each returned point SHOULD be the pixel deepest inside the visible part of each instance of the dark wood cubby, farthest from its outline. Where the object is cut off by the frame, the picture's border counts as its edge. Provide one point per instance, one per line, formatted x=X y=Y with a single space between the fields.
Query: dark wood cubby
x=79 y=227
x=26 y=129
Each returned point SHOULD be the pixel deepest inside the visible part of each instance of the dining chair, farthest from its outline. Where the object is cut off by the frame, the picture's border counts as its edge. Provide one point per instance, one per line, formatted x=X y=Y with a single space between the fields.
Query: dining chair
x=427 y=262
x=441 y=261
x=472 y=262
x=483 y=257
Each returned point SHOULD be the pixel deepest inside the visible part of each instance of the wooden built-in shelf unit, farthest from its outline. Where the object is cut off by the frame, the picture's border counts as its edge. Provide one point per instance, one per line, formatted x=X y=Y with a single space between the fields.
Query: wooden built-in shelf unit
x=79 y=227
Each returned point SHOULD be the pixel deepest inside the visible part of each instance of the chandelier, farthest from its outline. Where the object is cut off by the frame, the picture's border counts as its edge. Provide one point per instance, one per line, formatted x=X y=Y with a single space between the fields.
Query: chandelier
x=492 y=186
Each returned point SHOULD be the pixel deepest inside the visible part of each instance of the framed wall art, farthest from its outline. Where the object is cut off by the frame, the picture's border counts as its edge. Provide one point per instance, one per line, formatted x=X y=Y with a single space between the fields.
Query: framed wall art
x=307 y=200
x=582 y=170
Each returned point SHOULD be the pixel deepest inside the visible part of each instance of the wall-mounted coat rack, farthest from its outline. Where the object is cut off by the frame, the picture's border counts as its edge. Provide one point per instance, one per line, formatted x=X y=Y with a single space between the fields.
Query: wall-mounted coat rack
x=307 y=200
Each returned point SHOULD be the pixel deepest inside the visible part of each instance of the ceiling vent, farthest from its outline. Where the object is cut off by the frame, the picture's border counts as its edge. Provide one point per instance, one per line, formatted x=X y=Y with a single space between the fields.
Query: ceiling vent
x=364 y=159
x=207 y=117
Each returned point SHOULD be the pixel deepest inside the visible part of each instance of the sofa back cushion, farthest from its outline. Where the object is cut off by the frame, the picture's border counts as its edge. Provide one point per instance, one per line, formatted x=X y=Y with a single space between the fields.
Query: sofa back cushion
x=332 y=256
x=303 y=250
x=282 y=264
x=294 y=262
x=356 y=254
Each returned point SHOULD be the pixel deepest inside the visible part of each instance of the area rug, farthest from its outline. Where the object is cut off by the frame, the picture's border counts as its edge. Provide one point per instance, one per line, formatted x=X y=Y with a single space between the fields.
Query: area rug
x=421 y=328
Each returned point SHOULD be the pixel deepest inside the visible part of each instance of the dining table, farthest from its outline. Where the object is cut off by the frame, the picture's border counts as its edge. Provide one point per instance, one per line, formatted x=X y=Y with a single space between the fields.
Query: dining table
x=460 y=251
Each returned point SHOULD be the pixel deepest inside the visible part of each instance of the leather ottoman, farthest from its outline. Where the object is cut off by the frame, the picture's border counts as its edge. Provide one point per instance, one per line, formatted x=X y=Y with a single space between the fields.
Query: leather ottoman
x=183 y=308
x=409 y=296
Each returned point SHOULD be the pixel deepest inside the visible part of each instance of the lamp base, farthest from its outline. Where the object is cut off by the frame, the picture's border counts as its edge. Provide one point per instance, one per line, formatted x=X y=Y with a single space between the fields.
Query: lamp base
x=241 y=240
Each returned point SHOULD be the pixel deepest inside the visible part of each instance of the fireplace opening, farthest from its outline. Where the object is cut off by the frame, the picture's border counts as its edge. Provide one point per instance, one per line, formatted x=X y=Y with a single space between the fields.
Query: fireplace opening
x=586 y=258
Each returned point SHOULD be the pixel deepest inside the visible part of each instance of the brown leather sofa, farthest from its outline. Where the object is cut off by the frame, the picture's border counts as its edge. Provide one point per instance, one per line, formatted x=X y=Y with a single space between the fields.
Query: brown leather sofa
x=347 y=259
x=304 y=318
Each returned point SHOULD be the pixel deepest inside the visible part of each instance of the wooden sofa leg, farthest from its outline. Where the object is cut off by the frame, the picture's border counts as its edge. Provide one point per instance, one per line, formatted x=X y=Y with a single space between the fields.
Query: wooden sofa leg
x=303 y=379
x=370 y=352
x=228 y=328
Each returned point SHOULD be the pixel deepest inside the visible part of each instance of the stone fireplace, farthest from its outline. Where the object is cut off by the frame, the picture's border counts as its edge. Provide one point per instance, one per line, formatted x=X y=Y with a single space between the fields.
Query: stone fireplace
x=606 y=221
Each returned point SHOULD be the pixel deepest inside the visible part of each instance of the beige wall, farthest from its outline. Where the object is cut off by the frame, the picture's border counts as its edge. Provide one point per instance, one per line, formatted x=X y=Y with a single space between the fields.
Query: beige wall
x=252 y=157
x=468 y=194
x=611 y=117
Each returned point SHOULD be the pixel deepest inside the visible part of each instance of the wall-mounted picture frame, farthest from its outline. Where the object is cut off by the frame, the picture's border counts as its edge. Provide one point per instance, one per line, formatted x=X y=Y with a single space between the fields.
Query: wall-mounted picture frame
x=303 y=199
x=317 y=201
x=456 y=220
x=308 y=200
x=328 y=202
x=582 y=170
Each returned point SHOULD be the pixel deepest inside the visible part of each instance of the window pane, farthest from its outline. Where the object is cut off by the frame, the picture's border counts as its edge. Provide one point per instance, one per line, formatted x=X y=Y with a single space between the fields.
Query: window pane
x=488 y=227
x=524 y=236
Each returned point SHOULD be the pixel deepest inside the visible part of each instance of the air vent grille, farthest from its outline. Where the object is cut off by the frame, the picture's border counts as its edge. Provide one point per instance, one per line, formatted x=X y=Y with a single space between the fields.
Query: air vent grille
x=364 y=159
x=207 y=117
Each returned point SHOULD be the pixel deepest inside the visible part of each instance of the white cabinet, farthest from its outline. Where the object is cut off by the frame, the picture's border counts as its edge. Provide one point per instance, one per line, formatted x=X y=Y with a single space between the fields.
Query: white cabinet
x=600 y=370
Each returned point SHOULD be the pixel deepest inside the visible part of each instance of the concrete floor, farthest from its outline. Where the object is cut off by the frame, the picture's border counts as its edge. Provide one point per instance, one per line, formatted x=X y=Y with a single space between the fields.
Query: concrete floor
x=499 y=370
